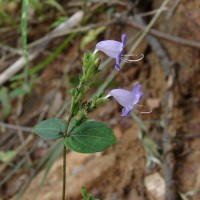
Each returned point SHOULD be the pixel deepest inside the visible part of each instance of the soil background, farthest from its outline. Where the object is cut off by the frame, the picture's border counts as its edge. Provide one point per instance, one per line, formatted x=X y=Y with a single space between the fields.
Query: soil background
x=121 y=172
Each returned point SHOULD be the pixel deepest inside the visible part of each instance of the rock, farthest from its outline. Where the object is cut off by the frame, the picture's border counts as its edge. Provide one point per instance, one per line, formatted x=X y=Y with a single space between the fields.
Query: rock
x=155 y=186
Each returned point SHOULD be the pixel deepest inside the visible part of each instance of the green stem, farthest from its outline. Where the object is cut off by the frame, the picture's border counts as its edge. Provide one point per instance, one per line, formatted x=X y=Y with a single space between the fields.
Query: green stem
x=66 y=134
x=64 y=171
x=64 y=159
x=24 y=22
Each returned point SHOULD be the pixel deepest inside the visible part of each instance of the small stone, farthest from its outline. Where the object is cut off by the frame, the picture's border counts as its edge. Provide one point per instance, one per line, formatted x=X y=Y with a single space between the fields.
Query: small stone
x=155 y=186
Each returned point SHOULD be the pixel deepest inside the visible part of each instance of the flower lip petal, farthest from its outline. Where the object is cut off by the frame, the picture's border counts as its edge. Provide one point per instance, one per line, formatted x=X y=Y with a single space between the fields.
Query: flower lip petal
x=123 y=38
x=137 y=93
x=136 y=88
x=125 y=112
x=118 y=60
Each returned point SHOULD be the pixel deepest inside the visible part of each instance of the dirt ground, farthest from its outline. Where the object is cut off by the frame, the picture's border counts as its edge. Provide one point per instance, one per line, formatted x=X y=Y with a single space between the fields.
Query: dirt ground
x=170 y=78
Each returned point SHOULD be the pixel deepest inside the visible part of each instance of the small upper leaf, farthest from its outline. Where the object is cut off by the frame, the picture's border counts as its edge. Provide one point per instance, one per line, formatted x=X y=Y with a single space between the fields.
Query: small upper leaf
x=90 y=137
x=50 y=128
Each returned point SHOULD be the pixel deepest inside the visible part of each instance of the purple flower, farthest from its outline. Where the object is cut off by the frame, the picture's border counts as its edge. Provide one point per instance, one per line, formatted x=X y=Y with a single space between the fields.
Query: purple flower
x=113 y=49
x=127 y=99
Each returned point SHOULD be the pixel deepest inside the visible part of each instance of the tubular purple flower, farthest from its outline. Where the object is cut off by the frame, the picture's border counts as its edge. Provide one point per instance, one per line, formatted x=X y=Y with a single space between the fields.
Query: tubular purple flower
x=113 y=49
x=126 y=98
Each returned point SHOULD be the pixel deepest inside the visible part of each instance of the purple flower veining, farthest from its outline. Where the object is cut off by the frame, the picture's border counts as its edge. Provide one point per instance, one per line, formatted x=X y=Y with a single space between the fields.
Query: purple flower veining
x=113 y=49
x=126 y=98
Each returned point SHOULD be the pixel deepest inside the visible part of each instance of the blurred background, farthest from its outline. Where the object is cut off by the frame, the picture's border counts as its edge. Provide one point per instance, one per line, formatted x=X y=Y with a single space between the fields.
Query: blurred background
x=41 y=47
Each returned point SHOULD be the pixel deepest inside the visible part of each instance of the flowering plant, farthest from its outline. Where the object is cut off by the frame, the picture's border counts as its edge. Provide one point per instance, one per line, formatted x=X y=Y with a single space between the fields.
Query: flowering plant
x=78 y=132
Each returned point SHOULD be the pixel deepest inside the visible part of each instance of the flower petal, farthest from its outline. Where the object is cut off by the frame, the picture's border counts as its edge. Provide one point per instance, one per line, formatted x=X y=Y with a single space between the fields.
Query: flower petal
x=123 y=38
x=123 y=97
x=118 y=60
x=136 y=88
x=125 y=112
x=111 y=48
x=137 y=93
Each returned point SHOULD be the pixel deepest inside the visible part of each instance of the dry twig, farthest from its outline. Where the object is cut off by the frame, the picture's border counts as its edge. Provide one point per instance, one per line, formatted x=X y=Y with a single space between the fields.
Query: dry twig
x=169 y=158
x=164 y=36
x=190 y=136
x=173 y=8
x=15 y=127
x=152 y=12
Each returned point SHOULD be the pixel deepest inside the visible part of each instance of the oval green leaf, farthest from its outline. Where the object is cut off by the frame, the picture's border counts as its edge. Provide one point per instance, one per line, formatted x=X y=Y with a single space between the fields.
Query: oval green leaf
x=50 y=128
x=90 y=137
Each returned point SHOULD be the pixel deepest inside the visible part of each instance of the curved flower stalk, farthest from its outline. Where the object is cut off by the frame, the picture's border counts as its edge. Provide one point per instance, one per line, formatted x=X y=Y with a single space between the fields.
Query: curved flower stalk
x=126 y=98
x=114 y=49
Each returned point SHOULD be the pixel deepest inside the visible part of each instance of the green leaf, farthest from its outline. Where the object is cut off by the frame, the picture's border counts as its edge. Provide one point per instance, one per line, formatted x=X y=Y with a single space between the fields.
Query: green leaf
x=58 y=21
x=5 y=101
x=90 y=137
x=21 y=91
x=7 y=156
x=50 y=128
x=87 y=196
x=84 y=192
x=56 y=5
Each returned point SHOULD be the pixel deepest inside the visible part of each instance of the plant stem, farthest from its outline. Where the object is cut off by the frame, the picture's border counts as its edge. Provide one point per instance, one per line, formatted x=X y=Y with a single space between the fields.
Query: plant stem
x=66 y=134
x=24 y=23
x=64 y=171
x=64 y=158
